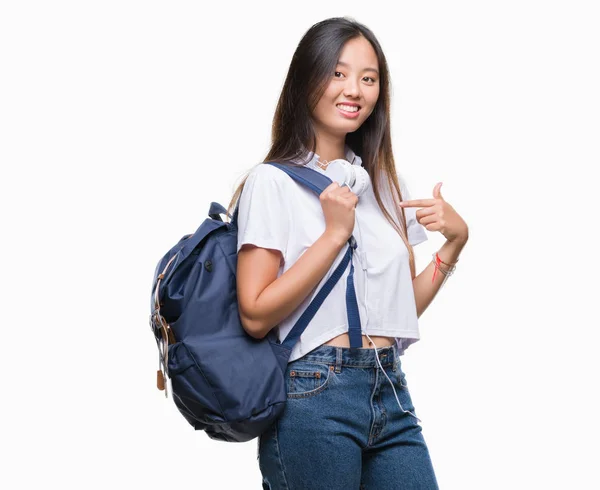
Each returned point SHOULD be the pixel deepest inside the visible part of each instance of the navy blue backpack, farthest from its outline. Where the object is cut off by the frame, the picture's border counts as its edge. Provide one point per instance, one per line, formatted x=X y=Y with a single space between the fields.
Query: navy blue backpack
x=225 y=382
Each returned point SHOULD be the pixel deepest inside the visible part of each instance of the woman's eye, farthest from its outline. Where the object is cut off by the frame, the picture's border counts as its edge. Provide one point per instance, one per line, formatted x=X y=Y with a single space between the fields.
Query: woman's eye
x=336 y=73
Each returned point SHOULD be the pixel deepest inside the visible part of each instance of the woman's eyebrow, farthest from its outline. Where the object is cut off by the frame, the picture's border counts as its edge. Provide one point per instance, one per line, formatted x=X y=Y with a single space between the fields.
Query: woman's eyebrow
x=366 y=69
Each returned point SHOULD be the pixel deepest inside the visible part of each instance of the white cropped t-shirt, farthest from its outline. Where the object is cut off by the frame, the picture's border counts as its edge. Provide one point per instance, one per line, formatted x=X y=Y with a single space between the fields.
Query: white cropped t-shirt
x=278 y=213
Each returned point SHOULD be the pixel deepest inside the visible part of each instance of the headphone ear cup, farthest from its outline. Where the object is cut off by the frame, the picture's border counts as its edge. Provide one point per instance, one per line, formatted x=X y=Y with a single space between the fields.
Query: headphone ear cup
x=354 y=176
x=338 y=171
x=361 y=181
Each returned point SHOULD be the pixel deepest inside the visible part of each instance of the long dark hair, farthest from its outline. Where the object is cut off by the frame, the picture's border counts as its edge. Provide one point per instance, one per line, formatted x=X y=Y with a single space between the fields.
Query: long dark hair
x=293 y=132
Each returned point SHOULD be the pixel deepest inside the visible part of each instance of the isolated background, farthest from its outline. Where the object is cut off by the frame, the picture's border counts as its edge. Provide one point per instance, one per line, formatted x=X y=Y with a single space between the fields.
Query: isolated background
x=120 y=121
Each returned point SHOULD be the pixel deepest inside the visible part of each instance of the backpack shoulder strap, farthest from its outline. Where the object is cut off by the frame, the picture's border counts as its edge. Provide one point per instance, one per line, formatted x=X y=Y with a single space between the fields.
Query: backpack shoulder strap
x=317 y=182
x=308 y=177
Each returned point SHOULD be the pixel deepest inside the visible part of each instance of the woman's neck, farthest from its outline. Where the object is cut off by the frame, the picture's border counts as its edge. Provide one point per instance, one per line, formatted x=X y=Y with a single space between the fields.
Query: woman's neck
x=330 y=149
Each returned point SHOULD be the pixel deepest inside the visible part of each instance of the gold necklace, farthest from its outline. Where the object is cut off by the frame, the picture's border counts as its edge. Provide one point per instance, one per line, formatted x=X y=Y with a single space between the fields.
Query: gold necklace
x=326 y=163
x=323 y=165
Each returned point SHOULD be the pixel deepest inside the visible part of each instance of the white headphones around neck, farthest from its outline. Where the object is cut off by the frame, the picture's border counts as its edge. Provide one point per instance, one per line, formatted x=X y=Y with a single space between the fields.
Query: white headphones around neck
x=343 y=172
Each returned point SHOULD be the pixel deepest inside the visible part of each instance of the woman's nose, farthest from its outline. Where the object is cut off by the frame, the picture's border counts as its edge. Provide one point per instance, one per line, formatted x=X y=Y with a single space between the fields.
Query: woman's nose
x=352 y=89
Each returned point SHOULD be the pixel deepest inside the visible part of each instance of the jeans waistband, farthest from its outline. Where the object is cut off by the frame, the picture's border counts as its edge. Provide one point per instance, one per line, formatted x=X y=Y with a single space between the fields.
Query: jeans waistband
x=353 y=357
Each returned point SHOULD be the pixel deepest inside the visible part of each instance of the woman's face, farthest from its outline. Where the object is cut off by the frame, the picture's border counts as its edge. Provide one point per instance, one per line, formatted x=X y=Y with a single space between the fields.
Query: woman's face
x=354 y=81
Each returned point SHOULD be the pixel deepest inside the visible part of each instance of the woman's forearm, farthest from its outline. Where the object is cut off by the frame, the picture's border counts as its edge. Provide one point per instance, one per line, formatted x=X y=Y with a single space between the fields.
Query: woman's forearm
x=425 y=290
x=289 y=290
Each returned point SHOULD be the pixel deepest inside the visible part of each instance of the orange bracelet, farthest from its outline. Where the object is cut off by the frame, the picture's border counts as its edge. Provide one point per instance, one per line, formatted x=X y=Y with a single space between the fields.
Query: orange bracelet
x=437 y=261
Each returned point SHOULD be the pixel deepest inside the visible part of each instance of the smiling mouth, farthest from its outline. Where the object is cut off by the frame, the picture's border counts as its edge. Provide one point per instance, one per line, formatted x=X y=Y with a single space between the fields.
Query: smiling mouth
x=348 y=108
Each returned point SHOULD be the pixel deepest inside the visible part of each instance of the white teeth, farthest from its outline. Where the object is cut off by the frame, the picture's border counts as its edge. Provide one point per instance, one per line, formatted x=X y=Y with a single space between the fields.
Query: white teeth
x=348 y=108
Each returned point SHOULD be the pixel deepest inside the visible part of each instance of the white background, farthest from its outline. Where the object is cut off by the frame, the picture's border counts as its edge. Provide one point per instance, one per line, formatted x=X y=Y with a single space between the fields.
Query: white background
x=120 y=121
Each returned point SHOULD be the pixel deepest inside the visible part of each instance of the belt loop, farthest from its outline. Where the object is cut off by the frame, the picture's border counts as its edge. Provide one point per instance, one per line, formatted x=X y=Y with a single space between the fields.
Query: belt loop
x=338 y=360
x=395 y=351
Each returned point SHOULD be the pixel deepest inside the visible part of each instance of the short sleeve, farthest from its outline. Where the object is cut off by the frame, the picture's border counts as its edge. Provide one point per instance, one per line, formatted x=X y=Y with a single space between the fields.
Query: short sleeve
x=417 y=233
x=263 y=215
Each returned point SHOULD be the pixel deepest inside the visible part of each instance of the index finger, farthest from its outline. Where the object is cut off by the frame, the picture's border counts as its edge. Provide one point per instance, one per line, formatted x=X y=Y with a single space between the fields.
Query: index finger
x=417 y=203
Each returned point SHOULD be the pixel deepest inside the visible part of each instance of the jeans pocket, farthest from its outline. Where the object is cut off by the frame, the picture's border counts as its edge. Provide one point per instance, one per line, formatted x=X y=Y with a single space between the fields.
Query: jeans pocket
x=307 y=379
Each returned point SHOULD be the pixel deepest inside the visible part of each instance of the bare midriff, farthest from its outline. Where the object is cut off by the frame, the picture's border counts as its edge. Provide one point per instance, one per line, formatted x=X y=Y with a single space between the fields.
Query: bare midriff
x=343 y=340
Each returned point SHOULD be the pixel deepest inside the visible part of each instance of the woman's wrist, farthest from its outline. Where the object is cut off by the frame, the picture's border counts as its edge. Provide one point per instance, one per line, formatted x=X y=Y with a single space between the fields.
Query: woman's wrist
x=450 y=250
x=460 y=239
x=446 y=258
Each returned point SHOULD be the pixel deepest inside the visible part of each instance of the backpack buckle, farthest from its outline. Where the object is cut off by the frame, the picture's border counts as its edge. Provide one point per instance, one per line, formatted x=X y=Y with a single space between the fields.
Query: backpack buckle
x=352 y=242
x=161 y=328
x=164 y=337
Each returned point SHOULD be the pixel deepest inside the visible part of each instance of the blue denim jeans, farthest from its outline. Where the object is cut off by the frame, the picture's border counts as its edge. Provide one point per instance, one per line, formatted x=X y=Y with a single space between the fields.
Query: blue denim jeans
x=343 y=427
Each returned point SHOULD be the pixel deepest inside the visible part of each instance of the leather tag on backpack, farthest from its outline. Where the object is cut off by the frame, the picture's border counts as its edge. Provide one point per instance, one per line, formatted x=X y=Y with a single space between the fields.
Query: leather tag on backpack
x=160 y=380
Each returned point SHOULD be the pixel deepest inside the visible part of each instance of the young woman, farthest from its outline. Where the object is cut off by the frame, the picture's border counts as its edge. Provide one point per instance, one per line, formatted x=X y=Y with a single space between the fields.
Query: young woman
x=349 y=421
